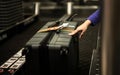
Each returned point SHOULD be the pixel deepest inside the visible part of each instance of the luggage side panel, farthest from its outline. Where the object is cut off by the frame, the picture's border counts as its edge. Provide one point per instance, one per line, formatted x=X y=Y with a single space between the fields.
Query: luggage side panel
x=37 y=57
x=63 y=52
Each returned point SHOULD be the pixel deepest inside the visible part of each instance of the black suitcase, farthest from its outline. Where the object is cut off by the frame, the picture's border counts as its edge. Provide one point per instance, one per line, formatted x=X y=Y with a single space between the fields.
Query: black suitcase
x=63 y=52
x=36 y=56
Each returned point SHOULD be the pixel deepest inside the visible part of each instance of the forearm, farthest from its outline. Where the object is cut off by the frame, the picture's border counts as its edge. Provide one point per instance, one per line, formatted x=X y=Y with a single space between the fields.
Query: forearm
x=95 y=17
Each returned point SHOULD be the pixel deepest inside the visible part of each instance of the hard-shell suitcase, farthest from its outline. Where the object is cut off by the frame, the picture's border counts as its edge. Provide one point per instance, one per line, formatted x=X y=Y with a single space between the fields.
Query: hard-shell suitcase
x=36 y=57
x=39 y=49
x=63 y=52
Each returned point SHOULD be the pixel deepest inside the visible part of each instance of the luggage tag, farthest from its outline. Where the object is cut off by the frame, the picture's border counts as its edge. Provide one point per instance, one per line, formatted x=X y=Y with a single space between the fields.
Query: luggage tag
x=49 y=29
x=64 y=25
x=58 y=28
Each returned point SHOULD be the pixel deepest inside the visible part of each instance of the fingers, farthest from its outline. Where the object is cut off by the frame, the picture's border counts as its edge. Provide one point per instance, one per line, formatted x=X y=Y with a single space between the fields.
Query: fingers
x=73 y=32
x=81 y=34
x=77 y=31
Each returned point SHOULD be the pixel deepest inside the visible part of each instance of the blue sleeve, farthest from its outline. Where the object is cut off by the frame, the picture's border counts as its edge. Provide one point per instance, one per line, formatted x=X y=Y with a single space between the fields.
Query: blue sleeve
x=95 y=17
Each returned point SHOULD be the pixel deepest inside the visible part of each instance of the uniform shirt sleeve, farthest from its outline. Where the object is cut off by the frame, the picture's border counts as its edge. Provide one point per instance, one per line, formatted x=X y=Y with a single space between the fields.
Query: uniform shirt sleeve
x=95 y=17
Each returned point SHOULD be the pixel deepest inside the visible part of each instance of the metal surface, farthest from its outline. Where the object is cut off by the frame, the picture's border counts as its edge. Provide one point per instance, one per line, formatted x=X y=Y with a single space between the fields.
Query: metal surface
x=69 y=8
x=110 y=50
x=37 y=7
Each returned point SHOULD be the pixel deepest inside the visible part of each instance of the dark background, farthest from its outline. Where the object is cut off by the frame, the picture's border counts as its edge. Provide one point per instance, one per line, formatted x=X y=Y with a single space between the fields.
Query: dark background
x=17 y=41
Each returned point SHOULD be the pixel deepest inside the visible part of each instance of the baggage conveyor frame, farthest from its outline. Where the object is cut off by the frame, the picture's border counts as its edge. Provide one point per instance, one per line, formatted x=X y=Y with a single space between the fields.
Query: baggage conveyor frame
x=6 y=32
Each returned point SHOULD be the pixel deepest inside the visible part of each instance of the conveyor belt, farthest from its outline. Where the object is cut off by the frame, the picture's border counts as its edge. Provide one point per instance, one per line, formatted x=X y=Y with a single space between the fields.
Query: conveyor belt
x=87 y=43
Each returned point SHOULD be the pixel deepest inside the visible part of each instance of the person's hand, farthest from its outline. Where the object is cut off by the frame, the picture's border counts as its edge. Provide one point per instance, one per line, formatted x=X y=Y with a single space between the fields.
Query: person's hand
x=82 y=28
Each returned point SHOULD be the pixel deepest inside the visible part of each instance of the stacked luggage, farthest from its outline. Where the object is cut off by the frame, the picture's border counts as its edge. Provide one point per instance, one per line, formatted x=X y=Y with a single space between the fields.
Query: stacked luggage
x=14 y=18
x=11 y=12
x=53 y=52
